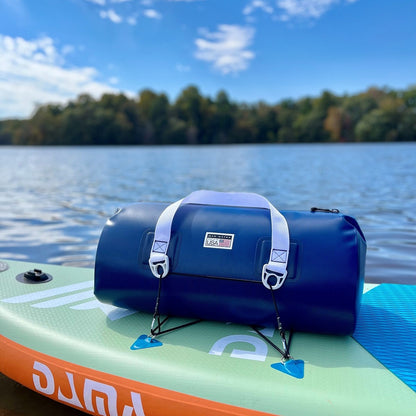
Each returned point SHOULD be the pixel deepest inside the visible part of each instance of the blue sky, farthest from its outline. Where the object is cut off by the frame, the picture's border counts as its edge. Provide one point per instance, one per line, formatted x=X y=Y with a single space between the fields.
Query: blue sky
x=53 y=50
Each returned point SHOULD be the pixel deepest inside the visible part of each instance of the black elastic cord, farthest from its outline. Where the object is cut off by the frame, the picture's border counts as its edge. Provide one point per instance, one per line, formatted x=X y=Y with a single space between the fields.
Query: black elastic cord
x=156 y=314
x=158 y=331
x=269 y=341
x=156 y=317
x=286 y=344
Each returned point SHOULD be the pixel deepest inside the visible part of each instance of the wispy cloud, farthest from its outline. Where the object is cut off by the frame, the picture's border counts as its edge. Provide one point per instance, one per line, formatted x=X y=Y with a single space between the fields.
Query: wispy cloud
x=132 y=20
x=33 y=71
x=117 y=12
x=67 y=49
x=226 y=49
x=183 y=68
x=99 y=2
x=152 y=14
x=306 y=8
x=257 y=5
x=111 y=15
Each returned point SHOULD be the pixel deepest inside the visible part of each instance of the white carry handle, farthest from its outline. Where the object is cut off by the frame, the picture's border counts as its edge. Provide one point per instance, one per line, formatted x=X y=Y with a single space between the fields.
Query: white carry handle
x=279 y=253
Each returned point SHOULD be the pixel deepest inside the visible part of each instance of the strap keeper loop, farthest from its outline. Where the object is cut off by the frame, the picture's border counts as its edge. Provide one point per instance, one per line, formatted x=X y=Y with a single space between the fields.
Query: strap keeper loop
x=159 y=265
x=268 y=273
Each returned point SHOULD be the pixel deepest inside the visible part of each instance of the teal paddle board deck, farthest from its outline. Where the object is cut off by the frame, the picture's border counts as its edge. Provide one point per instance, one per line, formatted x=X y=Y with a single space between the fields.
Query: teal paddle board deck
x=58 y=340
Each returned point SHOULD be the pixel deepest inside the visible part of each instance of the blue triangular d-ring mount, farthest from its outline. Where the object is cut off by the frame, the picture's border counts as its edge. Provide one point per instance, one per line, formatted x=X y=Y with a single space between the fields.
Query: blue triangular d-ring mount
x=294 y=368
x=144 y=341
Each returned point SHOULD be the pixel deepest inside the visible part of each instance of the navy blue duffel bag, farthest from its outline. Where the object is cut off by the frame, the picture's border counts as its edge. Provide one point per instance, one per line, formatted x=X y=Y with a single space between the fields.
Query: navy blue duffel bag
x=220 y=255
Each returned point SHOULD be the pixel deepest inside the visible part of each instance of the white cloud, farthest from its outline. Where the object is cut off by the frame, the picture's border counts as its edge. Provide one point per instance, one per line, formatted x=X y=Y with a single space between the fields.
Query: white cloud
x=306 y=8
x=111 y=15
x=42 y=50
x=152 y=14
x=226 y=49
x=257 y=4
x=132 y=20
x=67 y=49
x=113 y=80
x=32 y=71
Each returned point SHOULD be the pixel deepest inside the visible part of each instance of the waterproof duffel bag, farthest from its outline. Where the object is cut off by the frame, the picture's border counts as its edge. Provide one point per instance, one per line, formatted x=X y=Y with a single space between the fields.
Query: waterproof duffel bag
x=221 y=255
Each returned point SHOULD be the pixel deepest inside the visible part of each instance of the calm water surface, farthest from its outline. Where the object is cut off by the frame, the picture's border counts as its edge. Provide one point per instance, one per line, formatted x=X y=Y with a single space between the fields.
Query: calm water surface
x=54 y=200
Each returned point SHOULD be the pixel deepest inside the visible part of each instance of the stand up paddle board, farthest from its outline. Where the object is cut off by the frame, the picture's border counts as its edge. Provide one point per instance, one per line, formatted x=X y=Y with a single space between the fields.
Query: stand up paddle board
x=58 y=340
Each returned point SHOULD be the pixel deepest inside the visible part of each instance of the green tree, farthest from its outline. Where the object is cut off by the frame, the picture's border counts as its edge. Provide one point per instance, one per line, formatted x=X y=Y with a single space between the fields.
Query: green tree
x=160 y=113
x=154 y=110
x=266 y=123
x=188 y=107
x=406 y=128
x=310 y=127
x=220 y=119
x=409 y=97
x=9 y=130
x=322 y=104
x=79 y=122
x=334 y=122
x=244 y=130
x=378 y=125
x=378 y=114
x=353 y=109
x=46 y=126
x=287 y=112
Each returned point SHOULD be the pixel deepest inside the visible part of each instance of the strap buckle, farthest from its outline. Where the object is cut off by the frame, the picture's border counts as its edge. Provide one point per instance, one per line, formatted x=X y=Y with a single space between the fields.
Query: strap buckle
x=269 y=273
x=159 y=265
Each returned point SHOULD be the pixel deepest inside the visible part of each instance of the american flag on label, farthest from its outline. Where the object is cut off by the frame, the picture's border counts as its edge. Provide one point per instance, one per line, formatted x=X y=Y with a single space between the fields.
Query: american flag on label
x=224 y=243
x=219 y=240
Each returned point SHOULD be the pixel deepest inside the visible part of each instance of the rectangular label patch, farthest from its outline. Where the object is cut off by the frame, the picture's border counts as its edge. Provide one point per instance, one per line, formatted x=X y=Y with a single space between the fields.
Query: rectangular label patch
x=219 y=240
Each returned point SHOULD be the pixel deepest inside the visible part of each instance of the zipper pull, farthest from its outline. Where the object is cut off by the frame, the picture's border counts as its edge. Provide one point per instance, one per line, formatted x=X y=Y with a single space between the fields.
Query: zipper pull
x=331 y=211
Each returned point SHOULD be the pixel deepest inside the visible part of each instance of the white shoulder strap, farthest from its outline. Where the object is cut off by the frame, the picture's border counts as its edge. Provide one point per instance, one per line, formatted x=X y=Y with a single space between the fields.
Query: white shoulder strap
x=274 y=272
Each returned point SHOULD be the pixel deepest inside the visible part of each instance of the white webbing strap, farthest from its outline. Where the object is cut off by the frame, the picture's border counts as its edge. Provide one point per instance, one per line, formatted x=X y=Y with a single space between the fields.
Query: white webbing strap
x=158 y=258
x=276 y=268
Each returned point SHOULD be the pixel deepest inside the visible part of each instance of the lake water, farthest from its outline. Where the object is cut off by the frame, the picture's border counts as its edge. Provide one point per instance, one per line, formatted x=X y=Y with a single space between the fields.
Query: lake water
x=54 y=201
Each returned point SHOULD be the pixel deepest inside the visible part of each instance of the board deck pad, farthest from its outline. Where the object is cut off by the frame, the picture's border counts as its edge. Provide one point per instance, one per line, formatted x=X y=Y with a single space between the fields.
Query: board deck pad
x=388 y=314
x=57 y=339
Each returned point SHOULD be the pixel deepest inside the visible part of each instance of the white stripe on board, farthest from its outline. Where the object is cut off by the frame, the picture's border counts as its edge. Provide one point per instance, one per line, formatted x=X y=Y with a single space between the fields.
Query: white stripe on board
x=49 y=292
x=113 y=312
x=64 y=300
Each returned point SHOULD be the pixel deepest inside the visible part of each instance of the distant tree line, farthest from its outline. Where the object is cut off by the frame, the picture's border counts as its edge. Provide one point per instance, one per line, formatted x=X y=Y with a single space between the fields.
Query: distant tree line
x=151 y=119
